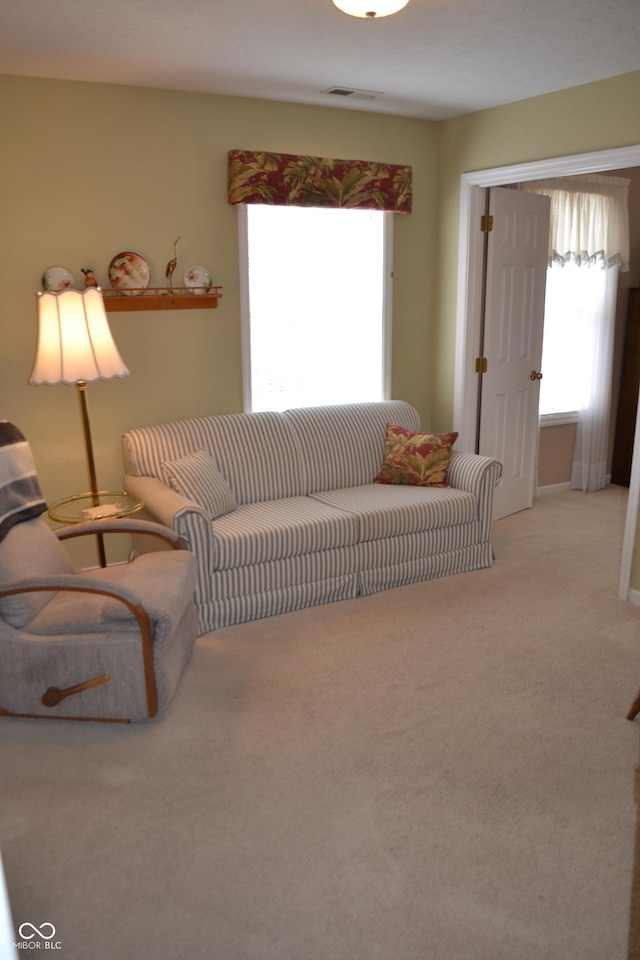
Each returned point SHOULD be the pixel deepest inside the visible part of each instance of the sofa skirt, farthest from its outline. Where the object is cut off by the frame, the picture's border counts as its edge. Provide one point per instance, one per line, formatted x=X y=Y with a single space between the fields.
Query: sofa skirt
x=475 y=557
x=375 y=566
x=226 y=612
x=272 y=576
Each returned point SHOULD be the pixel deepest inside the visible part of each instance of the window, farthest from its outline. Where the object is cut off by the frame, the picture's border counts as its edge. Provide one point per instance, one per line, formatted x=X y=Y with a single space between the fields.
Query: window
x=316 y=302
x=579 y=303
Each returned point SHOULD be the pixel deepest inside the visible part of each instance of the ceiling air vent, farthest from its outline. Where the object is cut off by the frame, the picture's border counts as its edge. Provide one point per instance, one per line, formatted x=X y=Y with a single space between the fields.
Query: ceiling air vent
x=353 y=93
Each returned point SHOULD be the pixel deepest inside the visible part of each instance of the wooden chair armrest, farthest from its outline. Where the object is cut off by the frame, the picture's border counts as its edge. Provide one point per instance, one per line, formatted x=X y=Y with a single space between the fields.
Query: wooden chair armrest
x=123 y=525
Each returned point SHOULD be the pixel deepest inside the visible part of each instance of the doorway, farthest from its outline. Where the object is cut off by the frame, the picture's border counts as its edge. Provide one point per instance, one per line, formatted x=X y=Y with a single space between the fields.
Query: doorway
x=470 y=289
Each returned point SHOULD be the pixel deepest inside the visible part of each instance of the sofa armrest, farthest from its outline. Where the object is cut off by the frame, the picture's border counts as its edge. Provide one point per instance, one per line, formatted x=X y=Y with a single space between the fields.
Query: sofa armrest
x=161 y=503
x=470 y=471
x=478 y=475
x=185 y=517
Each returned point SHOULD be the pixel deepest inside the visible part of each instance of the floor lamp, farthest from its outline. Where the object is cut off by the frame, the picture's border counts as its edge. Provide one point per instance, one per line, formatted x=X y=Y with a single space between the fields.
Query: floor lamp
x=75 y=346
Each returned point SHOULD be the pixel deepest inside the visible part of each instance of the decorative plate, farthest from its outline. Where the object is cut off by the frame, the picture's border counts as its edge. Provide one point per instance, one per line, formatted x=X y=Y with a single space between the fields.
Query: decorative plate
x=129 y=273
x=57 y=278
x=198 y=278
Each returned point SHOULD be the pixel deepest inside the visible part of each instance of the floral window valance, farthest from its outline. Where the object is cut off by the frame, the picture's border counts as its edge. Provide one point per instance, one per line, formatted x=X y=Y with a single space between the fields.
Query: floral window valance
x=284 y=179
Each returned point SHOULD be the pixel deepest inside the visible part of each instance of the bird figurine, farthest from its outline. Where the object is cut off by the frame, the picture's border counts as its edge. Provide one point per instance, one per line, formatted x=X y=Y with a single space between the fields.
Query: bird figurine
x=89 y=277
x=172 y=265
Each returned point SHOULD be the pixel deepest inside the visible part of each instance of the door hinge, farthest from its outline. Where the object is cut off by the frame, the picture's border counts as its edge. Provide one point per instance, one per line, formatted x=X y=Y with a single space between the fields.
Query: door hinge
x=481 y=364
x=486 y=223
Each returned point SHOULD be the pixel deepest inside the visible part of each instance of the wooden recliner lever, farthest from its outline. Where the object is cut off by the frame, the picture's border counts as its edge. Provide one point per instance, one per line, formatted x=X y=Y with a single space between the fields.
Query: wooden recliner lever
x=54 y=695
x=635 y=709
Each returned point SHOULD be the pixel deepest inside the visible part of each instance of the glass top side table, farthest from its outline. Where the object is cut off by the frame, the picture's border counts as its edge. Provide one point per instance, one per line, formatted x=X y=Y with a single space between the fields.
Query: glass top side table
x=103 y=505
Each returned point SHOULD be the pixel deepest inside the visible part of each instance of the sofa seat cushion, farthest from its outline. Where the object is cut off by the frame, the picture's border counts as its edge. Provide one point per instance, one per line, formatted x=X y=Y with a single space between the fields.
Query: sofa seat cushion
x=389 y=510
x=274 y=529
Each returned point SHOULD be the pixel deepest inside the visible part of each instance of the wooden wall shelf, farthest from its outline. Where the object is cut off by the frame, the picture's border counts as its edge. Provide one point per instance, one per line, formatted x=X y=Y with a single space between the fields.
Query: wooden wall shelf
x=159 y=298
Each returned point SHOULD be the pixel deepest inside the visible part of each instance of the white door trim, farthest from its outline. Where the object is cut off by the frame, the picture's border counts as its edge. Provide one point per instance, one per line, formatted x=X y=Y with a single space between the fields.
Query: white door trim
x=245 y=323
x=469 y=292
x=631 y=520
x=387 y=304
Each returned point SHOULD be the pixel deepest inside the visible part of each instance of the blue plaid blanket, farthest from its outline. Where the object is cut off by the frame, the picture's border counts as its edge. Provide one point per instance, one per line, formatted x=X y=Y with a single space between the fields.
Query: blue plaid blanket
x=20 y=494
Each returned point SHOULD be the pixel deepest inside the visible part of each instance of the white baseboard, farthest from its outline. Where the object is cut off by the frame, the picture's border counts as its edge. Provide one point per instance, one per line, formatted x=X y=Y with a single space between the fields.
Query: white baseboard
x=633 y=596
x=553 y=488
x=563 y=487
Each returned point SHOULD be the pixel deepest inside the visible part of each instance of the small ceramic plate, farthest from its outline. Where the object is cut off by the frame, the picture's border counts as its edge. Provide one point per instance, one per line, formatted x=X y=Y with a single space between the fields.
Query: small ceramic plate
x=198 y=279
x=57 y=278
x=129 y=273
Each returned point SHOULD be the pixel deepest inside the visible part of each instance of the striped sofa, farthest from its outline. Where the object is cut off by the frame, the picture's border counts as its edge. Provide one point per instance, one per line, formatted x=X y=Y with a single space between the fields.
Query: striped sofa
x=297 y=518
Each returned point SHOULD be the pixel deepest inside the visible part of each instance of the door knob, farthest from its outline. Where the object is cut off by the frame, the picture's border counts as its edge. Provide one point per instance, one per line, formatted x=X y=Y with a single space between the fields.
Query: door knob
x=534 y=375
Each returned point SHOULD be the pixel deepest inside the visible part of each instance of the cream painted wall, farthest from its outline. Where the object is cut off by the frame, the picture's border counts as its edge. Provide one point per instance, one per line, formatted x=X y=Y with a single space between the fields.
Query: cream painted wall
x=555 y=454
x=89 y=170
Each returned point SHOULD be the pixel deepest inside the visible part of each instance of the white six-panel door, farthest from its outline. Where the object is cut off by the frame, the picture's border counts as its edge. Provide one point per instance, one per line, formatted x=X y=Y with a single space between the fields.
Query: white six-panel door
x=514 y=314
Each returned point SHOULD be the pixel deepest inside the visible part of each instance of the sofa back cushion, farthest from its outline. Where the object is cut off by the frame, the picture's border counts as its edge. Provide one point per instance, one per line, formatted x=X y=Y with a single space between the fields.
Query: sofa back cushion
x=344 y=445
x=256 y=453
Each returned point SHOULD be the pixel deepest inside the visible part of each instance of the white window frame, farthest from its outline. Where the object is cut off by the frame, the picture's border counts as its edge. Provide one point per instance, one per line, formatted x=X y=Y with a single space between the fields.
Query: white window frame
x=245 y=317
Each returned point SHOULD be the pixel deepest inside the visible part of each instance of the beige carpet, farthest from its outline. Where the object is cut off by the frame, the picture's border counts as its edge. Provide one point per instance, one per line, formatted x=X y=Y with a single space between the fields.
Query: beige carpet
x=439 y=772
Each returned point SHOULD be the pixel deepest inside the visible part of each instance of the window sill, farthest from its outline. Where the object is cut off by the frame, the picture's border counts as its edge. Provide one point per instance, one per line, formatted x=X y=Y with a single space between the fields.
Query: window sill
x=558 y=419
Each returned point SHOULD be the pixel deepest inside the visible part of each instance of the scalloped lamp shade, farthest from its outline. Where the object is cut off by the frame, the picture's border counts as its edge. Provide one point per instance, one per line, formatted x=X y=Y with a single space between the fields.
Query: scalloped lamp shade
x=370 y=9
x=74 y=339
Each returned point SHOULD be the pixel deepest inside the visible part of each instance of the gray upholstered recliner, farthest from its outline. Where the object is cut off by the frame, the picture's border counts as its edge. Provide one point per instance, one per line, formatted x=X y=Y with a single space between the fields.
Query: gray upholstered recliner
x=108 y=644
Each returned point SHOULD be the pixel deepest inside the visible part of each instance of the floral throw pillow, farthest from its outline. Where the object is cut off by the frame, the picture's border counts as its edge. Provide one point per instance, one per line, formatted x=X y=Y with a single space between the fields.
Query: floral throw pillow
x=418 y=459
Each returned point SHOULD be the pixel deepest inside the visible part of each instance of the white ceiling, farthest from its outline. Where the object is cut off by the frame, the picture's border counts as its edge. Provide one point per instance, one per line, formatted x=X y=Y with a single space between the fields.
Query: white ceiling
x=435 y=59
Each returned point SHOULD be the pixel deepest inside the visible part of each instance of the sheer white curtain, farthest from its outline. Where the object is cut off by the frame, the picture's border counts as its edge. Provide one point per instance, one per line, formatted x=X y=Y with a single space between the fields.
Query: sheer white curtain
x=597 y=298
x=590 y=230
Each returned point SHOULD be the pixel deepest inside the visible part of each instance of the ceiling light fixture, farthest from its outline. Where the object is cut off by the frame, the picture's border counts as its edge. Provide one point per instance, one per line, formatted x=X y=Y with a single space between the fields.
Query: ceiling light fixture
x=370 y=9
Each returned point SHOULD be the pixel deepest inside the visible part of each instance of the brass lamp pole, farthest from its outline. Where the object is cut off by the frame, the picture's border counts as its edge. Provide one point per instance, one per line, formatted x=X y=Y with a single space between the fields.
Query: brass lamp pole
x=91 y=465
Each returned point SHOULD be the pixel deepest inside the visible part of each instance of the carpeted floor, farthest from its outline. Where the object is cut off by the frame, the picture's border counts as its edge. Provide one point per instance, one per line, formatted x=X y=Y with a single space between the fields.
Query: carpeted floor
x=439 y=772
